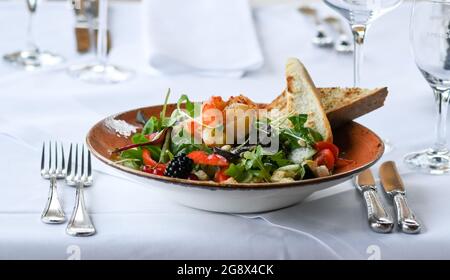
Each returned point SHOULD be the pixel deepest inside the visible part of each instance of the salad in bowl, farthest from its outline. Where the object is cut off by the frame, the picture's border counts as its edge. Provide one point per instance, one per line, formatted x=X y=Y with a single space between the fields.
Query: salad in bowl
x=232 y=141
x=236 y=155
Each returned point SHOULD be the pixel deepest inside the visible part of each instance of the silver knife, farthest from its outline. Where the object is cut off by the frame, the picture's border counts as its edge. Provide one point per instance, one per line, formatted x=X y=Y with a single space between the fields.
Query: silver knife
x=379 y=219
x=393 y=186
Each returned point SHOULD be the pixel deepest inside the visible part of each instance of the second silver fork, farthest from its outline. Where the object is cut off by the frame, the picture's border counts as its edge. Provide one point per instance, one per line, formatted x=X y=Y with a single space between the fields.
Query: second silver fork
x=80 y=223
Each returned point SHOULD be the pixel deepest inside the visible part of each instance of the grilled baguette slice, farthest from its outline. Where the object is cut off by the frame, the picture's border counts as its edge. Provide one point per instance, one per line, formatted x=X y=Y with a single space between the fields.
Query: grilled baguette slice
x=302 y=97
x=343 y=104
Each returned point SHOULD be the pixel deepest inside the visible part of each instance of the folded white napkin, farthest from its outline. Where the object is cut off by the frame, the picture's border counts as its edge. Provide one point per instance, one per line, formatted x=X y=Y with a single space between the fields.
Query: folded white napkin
x=205 y=37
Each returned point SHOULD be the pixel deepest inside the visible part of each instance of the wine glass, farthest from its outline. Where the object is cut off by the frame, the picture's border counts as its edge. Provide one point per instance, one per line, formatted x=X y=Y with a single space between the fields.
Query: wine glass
x=101 y=71
x=430 y=41
x=360 y=14
x=32 y=57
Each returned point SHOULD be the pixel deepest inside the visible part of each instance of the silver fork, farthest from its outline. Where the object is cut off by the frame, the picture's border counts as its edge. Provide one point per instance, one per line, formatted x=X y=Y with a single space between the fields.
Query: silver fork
x=53 y=212
x=80 y=223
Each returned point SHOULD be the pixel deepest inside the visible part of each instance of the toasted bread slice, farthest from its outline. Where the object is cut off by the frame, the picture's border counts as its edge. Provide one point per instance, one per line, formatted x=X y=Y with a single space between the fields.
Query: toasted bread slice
x=346 y=104
x=302 y=97
x=342 y=104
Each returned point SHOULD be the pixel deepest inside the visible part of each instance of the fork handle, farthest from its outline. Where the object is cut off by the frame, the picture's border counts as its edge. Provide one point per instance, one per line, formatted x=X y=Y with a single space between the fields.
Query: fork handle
x=53 y=212
x=80 y=223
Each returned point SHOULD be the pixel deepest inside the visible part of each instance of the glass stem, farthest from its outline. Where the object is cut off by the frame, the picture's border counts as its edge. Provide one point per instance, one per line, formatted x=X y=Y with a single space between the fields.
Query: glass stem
x=442 y=97
x=102 y=32
x=359 y=33
x=30 y=33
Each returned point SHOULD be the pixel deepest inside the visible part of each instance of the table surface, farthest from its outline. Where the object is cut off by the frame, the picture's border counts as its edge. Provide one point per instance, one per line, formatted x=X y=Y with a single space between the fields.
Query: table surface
x=133 y=221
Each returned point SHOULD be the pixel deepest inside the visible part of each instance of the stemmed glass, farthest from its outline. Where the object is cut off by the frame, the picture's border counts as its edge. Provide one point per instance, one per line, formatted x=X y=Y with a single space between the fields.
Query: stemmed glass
x=430 y=41
x=101 y=71
x=360 y=14
x=32 y=57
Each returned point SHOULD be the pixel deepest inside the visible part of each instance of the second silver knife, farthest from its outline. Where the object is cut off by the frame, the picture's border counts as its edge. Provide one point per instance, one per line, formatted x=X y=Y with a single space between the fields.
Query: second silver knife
x=393 y=185
x=379 y=219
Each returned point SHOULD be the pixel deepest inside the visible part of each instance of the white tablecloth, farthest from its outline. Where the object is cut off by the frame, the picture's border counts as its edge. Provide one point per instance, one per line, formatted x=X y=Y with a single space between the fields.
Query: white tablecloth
x=134 y=222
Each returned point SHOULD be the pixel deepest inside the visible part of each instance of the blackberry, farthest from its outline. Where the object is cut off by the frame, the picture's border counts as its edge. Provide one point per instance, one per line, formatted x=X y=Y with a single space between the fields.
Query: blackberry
x=179 y=167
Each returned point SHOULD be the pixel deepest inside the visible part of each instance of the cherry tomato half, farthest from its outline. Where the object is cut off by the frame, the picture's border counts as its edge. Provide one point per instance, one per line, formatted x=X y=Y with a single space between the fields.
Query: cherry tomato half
x=147 y=158
x=325 y=157
x=319 y=146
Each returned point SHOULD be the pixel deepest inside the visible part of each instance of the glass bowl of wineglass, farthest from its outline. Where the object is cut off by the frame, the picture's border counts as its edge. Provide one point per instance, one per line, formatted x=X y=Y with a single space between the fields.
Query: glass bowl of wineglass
x=430 y=42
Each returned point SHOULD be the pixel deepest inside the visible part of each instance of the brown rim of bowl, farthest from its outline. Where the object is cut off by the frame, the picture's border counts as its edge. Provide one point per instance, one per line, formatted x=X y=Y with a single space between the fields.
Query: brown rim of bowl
x=241 y=186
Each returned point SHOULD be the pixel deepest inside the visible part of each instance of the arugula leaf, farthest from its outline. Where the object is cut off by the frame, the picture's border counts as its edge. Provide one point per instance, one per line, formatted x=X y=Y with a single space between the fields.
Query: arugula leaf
x=299 y=132
x=152 y=125
x=138 y=138
x=163 y=157
x=254 y=159
x=190 y=107
x=237 y=171
x=168 y=122
x=315 y=135
x=132 y=154
x=131 y=164
x=162 y=115
x=298 y=121
x=301 y=172
x=279 y=158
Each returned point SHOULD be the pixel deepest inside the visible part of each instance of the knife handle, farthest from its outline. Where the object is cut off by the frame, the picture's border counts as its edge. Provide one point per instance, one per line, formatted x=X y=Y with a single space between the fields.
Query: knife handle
x=379 y=219
x=406 y=219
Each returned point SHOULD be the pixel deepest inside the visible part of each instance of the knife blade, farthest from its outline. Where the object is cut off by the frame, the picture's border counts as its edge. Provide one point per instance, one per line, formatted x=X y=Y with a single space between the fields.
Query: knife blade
x=394 y=187
x=378 y=218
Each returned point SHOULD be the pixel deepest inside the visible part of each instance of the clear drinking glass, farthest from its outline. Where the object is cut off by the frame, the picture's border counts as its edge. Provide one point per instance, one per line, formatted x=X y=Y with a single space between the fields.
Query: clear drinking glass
x=360 y=14
x=430 y=41
x=32 y=57
x=101 y=71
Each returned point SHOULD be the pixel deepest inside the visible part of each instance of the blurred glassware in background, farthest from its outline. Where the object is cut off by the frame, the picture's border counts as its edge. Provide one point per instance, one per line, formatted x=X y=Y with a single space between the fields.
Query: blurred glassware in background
x=32 y=57
x=101 y=71
x=321 y=38
x=343 y=43
x=430 y=41
x=360 y=14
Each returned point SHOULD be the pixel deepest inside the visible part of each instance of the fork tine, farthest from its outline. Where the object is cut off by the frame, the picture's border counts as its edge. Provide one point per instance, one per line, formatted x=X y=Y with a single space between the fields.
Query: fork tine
x=43 y=158
x=63 y=163
x=89 y=167
x=76 y=161
x=56 y=170
x=69 y=162
x=82 y=162
x=50 y=156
